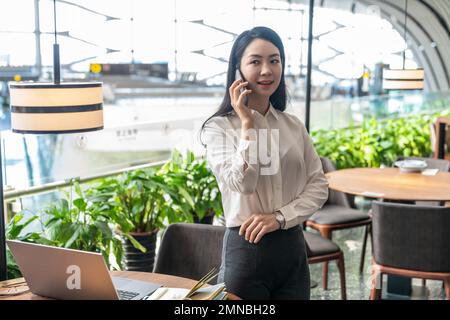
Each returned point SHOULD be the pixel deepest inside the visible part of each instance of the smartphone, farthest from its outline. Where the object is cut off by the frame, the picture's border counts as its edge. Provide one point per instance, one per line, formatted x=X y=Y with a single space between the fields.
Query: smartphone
x=238 y=76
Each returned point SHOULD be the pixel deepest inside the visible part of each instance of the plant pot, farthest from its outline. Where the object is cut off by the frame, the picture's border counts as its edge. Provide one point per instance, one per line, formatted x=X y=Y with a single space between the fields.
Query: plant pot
x=133 y=258
x=207 y=219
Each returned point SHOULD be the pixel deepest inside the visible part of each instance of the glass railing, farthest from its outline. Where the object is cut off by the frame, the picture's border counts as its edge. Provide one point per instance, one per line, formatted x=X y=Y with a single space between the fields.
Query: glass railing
x=143 y=130
x=344 y=112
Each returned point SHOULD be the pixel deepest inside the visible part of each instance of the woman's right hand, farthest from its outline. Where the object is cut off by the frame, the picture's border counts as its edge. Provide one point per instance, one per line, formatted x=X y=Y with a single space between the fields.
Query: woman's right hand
x=237 y=101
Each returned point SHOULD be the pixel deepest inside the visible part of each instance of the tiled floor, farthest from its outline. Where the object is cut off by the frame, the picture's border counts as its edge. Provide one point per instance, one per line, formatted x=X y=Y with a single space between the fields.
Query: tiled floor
x=358 y=286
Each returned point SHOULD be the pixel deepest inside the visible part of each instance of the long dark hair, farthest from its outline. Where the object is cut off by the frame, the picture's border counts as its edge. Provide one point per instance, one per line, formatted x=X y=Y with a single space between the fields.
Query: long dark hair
x=278 y=98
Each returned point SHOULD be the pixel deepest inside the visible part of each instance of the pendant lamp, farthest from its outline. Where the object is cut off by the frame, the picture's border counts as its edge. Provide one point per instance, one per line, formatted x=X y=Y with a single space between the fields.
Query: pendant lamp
x=403 y=79
x=50 y=108
x=58 y=107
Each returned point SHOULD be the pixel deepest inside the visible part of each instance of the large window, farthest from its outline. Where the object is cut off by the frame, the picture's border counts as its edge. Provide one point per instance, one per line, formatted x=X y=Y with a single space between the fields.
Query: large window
x=195 y=36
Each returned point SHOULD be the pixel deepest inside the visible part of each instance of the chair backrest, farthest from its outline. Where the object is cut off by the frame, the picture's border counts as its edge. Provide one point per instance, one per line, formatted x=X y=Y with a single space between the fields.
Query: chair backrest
x=441 y=164
x=411 y=237
x=190 y=250
x=336 y=197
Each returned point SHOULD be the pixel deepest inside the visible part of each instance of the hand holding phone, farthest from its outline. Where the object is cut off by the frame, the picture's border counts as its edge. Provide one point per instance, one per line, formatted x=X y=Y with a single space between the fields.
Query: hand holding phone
x=239 y=98
x=238 y=76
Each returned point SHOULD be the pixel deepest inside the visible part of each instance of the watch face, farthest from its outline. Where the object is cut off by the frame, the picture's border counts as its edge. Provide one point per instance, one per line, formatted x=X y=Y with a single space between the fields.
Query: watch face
x=279 y=217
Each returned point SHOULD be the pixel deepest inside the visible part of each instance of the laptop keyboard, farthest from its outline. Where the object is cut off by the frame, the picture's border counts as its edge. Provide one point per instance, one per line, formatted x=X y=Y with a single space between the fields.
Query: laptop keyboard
x=126 y=295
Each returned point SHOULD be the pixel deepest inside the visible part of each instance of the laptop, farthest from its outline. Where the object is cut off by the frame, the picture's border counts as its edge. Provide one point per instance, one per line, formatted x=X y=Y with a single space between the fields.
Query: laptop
x=69 y=274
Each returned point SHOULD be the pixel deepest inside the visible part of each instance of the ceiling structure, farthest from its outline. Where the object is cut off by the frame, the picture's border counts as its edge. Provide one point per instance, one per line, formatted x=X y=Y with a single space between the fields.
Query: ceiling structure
x=427 y=31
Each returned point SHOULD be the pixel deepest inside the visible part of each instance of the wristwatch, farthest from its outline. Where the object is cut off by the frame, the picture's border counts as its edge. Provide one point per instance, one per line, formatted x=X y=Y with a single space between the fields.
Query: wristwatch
x=280 y=218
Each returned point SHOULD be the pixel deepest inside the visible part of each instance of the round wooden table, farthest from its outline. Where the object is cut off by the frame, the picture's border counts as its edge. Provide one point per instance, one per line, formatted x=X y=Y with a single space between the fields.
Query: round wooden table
x=164 y=279
x=391 y=184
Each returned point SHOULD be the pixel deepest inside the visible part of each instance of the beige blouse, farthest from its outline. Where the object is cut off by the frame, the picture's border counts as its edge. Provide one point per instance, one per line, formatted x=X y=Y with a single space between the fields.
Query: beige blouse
x=277 y=170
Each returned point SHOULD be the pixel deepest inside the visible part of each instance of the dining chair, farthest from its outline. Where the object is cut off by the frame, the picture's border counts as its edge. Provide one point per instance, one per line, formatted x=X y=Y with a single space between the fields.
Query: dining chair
x=337 y=214
x=441 y=165
x=410 y=241
x=320 y=249
x=190 y=250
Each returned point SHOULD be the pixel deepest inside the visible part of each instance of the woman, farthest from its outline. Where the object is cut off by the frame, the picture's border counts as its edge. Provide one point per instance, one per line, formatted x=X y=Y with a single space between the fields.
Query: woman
x=268 y=172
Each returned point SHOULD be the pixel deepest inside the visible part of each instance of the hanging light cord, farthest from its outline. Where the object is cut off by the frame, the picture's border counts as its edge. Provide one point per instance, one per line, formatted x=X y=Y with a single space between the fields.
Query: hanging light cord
x=132 y=32
x=404 y=34
x=56 y=63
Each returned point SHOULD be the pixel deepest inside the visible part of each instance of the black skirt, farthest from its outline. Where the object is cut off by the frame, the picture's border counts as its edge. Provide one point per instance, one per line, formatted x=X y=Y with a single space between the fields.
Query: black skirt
x=274 y=268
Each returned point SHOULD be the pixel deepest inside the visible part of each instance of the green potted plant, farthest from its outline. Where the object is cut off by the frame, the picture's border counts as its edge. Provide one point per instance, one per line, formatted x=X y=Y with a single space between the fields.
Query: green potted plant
x=69 y=222
x=376 y=142
x=15 y=231
x=195 y=194
x=135 y=202
x=76 y=223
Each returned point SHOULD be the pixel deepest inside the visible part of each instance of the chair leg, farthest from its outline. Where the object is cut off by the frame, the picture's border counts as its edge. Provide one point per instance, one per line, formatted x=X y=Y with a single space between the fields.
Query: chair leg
x=377 y=280
x=325 y=275
x=326 y=233
x=363 y=252
x=447 y=288
x=341 y=266
x=424 y=282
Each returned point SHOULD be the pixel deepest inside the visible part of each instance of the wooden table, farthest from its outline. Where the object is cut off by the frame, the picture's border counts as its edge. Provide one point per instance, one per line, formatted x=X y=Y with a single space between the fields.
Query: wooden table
x=391 y=184
x=164 y=279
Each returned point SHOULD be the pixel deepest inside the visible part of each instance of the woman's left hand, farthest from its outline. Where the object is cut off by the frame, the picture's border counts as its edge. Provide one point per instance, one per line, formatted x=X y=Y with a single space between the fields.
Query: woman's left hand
x=257 y=226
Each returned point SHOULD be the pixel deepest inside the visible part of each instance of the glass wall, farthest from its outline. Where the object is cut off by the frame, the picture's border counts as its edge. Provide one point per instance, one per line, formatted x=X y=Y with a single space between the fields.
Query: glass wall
x=194 y=36
x=145 y=119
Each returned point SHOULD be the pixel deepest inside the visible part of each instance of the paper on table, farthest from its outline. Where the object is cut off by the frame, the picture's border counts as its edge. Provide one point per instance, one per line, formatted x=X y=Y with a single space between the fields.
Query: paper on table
x=430 y=172
x=206 y=293
x=195 y=293
x=169 y=294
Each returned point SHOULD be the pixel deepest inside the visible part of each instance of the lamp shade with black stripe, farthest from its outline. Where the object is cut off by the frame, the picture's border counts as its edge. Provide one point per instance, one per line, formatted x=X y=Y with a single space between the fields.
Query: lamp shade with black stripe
x=50 y=108
x=403 y=79
x=39 y=108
